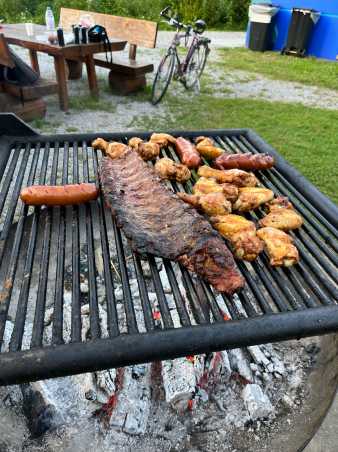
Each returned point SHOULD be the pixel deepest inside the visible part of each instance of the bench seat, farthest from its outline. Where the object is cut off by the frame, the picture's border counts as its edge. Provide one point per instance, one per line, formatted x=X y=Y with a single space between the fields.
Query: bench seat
x=125 y=66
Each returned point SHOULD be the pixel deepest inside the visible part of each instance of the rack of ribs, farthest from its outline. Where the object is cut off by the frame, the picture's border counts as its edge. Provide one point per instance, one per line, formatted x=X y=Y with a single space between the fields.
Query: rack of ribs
x=157 y=222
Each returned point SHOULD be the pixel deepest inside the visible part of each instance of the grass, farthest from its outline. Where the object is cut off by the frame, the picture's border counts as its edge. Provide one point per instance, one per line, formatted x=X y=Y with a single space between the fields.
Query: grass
x=309 y=71
x=306 y=137
x=85 y=102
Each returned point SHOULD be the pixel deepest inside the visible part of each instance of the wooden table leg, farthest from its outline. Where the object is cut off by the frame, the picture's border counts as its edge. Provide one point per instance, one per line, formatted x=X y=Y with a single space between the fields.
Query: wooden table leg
x=61 y=76
x=33 y=55
x=91 y=72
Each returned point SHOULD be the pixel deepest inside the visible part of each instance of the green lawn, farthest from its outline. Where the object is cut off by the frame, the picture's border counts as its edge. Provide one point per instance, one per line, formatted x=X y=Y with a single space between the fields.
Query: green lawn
x=306 y=137
x=309 y=71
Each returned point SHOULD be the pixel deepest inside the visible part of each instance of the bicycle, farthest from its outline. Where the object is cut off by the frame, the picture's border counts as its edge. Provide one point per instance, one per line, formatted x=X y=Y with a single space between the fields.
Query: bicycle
x=188 y=71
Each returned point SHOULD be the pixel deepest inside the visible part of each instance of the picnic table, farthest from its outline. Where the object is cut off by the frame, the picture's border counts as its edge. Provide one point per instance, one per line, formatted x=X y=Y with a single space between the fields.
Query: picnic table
x=16 y=34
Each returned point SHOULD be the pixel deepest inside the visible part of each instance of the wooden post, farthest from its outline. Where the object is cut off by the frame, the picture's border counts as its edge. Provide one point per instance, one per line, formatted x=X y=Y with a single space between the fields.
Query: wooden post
x=91 y=72
x=60 y=69
x=33 y=55
x=132 y=51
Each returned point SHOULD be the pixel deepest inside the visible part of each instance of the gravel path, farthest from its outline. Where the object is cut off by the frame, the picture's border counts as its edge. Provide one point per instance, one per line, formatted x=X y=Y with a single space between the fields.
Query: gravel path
x=120 y=113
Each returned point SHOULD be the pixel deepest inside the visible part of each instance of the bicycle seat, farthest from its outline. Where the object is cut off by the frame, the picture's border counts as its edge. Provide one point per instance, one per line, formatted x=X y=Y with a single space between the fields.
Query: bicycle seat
x=200 y=26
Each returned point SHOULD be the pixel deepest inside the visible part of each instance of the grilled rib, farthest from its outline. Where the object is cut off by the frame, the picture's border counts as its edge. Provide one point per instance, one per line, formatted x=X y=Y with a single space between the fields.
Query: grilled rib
x=156 y=221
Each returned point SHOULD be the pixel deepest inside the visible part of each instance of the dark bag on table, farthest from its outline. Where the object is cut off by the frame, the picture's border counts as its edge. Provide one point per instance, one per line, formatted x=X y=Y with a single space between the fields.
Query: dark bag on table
x=97 y=33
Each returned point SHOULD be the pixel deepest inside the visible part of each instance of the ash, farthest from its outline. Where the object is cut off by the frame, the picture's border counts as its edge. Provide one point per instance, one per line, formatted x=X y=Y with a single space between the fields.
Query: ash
x=194 y=403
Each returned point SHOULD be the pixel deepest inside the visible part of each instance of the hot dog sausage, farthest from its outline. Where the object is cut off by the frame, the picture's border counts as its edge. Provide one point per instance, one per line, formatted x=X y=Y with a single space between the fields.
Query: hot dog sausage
x=187 y=153
x=244 y=161
x=59 y=195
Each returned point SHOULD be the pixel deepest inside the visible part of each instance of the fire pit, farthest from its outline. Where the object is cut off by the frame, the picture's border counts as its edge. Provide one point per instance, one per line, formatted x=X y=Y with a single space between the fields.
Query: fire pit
x=76 y=299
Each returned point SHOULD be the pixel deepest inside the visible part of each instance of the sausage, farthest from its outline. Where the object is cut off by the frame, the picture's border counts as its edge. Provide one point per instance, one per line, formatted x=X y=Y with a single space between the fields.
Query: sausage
x=244 y=161
x=188 y=153
x=59 y=195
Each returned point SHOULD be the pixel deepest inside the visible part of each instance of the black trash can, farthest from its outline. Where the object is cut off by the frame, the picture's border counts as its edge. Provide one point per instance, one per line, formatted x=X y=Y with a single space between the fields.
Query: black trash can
x=300 y=29
x=260 y=16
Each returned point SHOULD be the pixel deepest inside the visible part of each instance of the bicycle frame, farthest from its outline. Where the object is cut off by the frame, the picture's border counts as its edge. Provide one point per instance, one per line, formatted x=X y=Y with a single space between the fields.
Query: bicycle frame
x=182 y=65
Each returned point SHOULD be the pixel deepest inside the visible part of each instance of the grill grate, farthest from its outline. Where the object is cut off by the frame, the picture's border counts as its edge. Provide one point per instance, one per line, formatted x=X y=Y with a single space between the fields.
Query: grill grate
x=48 y=254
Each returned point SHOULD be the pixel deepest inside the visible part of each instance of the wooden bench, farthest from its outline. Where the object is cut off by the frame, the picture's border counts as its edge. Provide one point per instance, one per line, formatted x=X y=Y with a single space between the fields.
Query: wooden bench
x=24 y=101
x=126 y=73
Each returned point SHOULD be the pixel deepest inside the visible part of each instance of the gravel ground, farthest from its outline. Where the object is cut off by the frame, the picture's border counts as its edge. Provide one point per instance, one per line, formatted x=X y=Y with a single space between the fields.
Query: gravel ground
x=120 y=112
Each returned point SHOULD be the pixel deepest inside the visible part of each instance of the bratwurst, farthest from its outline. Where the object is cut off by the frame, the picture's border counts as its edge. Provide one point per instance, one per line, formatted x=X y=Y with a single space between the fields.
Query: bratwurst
x=59 y=195
x=246 y=161
x=187 y=153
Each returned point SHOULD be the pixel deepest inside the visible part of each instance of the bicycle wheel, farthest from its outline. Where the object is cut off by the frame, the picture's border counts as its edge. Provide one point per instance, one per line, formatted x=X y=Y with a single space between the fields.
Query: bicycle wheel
x=196 y=65
x=163 y=78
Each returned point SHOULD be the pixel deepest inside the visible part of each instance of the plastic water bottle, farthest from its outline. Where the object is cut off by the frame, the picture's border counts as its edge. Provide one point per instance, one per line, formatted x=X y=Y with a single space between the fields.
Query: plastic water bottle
x=50 y=21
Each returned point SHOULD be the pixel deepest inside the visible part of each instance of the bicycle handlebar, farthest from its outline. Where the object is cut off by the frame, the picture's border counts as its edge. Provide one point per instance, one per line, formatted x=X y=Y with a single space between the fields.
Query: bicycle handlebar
x=174 y=22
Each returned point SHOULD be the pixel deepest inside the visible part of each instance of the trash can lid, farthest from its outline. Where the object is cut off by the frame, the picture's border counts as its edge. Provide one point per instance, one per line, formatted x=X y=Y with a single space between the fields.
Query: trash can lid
x=262 y=13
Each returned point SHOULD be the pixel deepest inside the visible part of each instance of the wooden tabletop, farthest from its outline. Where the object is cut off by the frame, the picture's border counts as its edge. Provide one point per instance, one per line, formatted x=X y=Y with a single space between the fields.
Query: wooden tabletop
x=16 y=34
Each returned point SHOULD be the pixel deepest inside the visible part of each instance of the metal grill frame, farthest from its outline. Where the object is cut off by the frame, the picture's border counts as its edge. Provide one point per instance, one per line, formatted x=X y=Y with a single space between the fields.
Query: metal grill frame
x=127 y=349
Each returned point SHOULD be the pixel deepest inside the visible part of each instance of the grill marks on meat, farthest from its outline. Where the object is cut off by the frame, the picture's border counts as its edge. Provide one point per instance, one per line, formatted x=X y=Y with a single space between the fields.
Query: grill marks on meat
x=156 y=221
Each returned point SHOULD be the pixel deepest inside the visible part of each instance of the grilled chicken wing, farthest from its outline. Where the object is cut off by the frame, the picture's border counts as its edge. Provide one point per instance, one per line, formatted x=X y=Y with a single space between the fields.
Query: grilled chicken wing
x=168 y=169
x=162 y=139
x=205 y=185
x=281 y=202
x=134 y=143
x=211 y=204
x=284 y=219
x=251 y=197
x=147 y=150
x=206 y=147
x=236 y=177
x=112 y=150
x=241 y=233
x=279 y=247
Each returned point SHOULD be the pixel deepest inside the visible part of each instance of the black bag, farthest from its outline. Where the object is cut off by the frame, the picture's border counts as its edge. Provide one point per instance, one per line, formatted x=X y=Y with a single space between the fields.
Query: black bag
x=97 y=33
x=21 y=74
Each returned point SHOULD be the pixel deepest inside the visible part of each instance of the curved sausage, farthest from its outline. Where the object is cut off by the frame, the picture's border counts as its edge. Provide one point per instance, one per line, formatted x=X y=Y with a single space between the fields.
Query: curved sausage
x=187 y=153
x=59 y=195
x=244 y=161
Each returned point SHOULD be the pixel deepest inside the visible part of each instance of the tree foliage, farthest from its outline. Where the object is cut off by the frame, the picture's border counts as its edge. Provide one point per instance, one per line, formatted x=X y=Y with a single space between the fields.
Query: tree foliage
x=214 y=12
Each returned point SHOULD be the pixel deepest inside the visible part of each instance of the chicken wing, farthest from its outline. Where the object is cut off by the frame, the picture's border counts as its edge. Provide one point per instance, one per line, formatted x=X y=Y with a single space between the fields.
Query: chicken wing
x=112 y=150
x=147 y=150
x=134 y=143
x=279 y=247
x=251 y=197
x=162 y=139
x=211 y=204
x=206 y=147
x=236 y=177
x=168 y=169
x=281 y=202
x=284 y=219
x=241 y=233
x=205 y=185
